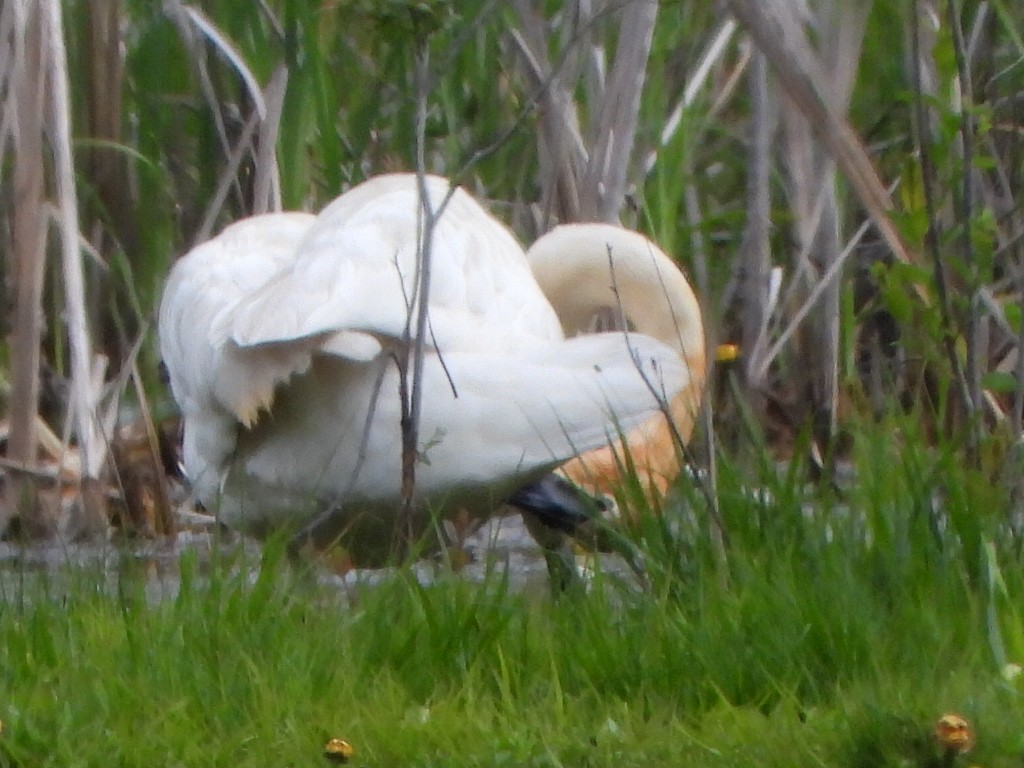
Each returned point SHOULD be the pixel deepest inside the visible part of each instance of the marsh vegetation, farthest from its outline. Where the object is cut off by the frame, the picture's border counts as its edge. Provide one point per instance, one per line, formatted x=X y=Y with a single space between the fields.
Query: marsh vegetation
x=838 y=178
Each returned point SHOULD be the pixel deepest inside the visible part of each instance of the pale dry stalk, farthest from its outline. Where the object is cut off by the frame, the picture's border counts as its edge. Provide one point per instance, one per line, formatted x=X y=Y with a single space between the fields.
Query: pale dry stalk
x=585 y=165
x=755 y=249
x=561 y=150
x=815 y=203
x=85 y=389
x=800 y=73
x=106 y=167
x=604 y=186
x=267 y=186
x=194 y=28
x=25 y=101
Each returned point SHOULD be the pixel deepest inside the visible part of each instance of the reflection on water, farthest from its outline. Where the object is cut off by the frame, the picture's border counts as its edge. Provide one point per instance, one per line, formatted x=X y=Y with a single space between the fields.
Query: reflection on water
x=501 y=546
x=154 y=564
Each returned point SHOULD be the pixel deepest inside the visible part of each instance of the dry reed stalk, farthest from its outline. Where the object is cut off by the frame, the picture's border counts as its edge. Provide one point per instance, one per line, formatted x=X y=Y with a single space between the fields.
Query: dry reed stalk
x=267 y=186
x=754 y=258
x=712 y=55
x=997 y=193
x=815 y=205
x=227 y=50
x=773 y=26
x=585 y=167
x=561 y=150
x=39 y=98
x=85 y=390
x=605 y=182
x=191 y=24
x=26 y=102
x=107 y=168
x=263 y=123
x=7 y=58
x=228 y=180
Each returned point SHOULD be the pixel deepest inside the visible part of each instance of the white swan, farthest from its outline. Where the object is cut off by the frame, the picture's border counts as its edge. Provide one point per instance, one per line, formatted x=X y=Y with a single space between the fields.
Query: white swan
x=599 y=274
x=280 y=337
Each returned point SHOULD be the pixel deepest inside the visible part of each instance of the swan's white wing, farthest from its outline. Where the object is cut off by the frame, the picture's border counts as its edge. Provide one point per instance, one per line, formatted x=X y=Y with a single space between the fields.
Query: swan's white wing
x=202 y=291
x=205 y=286
x=356 y=270
x=527 y=414
x=490 y=422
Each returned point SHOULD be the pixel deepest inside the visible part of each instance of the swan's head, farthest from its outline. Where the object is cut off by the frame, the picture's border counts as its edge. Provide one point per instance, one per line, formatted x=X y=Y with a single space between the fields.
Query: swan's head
x=592 y=272
x=603 y=277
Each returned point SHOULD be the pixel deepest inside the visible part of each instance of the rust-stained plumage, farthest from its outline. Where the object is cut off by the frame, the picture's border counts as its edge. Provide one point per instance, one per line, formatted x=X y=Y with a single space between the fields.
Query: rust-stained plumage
x=595 y=275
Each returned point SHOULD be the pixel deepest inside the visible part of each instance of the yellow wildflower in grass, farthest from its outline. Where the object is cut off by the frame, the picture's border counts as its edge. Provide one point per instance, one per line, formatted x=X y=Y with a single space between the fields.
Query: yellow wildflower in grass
x=953 y=734
x=338 y=751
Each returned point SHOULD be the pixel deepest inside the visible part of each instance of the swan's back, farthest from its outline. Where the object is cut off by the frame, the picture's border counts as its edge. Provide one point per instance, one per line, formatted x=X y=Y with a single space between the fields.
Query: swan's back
x=356 y=269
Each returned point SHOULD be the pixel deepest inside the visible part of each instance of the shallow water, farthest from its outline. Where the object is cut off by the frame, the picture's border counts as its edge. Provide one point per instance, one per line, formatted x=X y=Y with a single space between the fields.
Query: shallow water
x=501 y=547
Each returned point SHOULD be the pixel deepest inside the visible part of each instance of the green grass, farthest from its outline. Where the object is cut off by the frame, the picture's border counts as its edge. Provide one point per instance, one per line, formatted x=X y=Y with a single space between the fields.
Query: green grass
x=840 y=628
x=837 y=639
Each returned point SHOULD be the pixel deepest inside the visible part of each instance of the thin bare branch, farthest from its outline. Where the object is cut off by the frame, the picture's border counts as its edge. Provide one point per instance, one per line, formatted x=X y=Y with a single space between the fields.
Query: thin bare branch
x=413 y=354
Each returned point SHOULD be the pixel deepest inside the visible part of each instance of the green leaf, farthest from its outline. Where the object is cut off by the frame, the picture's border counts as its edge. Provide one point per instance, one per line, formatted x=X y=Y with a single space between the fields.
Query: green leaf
x=1012 y=313
x=999 y=381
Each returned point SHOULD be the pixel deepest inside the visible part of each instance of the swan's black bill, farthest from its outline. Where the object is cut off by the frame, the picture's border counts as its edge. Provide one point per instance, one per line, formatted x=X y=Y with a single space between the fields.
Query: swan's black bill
x=558 y=504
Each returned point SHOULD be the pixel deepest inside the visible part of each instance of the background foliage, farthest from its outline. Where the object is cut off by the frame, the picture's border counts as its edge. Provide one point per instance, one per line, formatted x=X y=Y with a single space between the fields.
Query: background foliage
x=840 y=180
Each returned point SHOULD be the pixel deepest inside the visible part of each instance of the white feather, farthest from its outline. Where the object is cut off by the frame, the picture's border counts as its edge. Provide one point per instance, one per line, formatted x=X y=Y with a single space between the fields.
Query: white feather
x=356 y=270
x=201 y=294
x=301 y=318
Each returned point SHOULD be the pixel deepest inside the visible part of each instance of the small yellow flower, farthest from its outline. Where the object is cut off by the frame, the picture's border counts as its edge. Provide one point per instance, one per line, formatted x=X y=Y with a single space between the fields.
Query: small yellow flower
x=726 y=353
x=953 y=734
x=338 y=751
